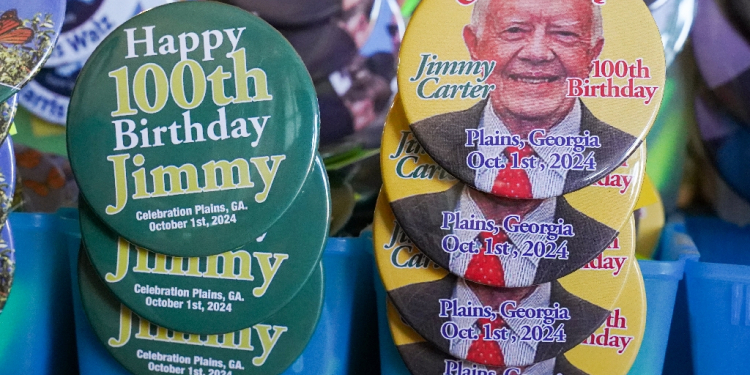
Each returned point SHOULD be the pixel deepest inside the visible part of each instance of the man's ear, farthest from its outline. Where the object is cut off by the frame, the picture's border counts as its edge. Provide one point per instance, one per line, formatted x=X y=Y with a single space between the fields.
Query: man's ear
x=470 y=38
x=596 y=51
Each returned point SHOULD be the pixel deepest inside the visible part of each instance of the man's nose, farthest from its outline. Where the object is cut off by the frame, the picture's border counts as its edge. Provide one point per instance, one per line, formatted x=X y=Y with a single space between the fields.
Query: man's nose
x=537 y=49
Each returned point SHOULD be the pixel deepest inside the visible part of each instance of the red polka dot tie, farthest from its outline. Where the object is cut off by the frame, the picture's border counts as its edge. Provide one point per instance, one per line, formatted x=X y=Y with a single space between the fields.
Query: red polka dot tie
x=514 y=183
x=487 y=352
x=486 y=268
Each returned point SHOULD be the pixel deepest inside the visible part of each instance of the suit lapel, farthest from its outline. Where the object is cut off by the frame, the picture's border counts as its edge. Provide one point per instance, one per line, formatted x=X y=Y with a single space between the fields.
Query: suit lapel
x=444 y=136
x=423 y=358
x=591 y=238
x=614 y=144
x=421 y=218
x=585 y=318
x=473 y=117
x=419 y=305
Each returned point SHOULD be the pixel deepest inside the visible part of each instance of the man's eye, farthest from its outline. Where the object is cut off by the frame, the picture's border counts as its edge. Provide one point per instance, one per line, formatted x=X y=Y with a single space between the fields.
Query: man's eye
x=567 y=34
x=514 y=33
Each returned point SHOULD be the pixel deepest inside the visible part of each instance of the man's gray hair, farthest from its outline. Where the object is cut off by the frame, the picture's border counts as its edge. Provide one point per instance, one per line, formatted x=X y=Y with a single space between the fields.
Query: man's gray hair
x=482 y=6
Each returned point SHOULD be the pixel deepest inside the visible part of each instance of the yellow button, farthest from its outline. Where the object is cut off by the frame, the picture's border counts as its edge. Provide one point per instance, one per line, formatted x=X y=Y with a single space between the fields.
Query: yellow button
x=576 y=83
x=444 y=219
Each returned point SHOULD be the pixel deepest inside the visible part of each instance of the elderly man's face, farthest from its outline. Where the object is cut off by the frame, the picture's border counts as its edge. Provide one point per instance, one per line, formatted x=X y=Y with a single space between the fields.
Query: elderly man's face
x=536 y=44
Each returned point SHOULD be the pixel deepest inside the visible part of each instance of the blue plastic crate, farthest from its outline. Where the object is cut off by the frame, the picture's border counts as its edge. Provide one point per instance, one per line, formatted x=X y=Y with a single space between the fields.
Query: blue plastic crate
x=718 y=291
x=37 y=333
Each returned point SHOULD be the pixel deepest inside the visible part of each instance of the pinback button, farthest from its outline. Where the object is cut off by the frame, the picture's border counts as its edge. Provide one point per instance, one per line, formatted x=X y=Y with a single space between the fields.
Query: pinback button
x=726 y=143
x=324 y=48
x=7 y=178
x=206 y=147
x=504 y=125
x=78 y=12
x=219 y=293
x=614 y=346
x=422 y=358
x=7 y=263
x=454 y=225
x=142 y=347
x=28 y=31
x=723 y=58
x=666 y=143
x=623 y=331
x=48 y=95
x=291 y=13
x=352 y=67
x=87 y=22
x=7 y=114
x=674 y=19
x=366 y=85
x=649 y=219
x=444 y=309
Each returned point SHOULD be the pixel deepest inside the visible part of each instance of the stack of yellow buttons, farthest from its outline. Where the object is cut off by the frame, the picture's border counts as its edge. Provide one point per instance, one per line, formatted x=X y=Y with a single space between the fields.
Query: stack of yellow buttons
x=512 y=162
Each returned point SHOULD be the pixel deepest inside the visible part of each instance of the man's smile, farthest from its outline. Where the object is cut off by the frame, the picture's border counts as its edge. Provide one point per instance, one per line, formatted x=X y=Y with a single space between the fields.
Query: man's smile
x=533 y=79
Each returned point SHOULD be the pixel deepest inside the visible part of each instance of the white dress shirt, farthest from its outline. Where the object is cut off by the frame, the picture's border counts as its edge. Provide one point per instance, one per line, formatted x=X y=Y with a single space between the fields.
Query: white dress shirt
x=517 y=353
x=544 y=183
x=542 y=368
x=518 y=270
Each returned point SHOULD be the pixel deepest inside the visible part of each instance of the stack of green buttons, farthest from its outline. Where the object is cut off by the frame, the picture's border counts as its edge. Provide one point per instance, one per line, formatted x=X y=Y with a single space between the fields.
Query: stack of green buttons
x=206 y=208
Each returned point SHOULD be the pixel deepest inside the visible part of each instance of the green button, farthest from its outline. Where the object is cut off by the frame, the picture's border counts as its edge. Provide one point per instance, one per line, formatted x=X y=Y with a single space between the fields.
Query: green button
x=219 y=293
x=142 y=347
x=192 y=138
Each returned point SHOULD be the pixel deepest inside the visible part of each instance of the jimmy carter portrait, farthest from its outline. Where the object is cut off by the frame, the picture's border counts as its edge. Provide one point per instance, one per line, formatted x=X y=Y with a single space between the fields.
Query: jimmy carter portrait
x=422 y=218
x=422 y=358
x=420 y=306
x=537 y=45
